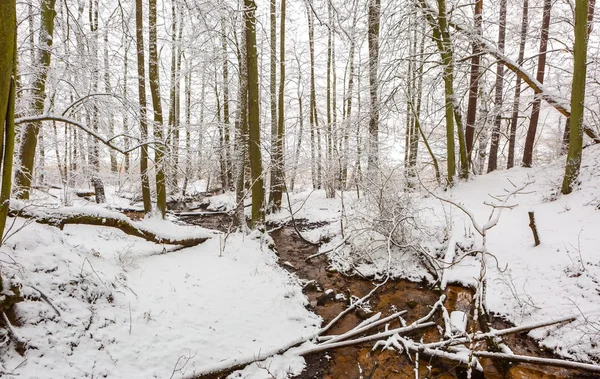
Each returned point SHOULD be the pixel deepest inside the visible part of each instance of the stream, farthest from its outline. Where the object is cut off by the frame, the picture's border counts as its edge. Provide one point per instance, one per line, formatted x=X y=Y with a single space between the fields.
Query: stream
x=328 y=293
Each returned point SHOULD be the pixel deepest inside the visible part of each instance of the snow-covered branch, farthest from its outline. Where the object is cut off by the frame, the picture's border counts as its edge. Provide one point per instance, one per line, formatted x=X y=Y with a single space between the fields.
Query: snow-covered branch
x=106 y=141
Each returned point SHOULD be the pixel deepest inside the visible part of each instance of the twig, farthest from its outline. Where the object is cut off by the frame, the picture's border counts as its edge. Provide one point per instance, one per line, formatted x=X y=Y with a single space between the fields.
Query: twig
x=45 y=298
x=328 y=251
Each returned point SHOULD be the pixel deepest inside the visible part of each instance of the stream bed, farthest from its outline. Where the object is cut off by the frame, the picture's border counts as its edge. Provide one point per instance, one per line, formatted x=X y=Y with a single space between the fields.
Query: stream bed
x=328 y=293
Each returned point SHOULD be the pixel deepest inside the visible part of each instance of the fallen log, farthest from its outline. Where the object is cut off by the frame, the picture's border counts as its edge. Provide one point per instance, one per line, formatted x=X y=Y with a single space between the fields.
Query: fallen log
x=538 y=361
x=118 y=221
x=500 y=332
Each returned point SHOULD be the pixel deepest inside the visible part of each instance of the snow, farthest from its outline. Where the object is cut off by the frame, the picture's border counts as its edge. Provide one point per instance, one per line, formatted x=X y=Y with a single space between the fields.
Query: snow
x=135 y=309
x=558 y=278
x=130 y=311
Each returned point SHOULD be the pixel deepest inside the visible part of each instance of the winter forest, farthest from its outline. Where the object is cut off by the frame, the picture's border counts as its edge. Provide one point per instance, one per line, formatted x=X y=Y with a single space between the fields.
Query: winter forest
x=299 y=189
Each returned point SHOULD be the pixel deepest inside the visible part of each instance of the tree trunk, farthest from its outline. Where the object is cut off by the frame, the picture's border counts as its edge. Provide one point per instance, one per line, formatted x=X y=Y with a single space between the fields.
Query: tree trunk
x=515 y=110
x=8 y=56
x=107 y=89
x=329 y=171
x=565 y=141
x=94 y=153
x=98 y=190
x=139 y=34
x=125 y=111
x=373 y=36
x=277 y=169
x=313 y=117
x=226 y=126
x=300 y=132
x=173 y=128
x=414 y=138
x=348 y=104
x=258 y=195
x=535 y=111
x=31 y=131
x=577 y=97
x=273 y=95
x=159 y=150
x=442 y=38
x=493 y=158
x=188 y=128
x=241 y=131
x=474 y=79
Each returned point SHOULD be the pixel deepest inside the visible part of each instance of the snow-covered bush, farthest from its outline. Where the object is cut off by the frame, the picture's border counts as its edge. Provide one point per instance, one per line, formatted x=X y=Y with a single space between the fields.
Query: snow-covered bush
x=388 y=236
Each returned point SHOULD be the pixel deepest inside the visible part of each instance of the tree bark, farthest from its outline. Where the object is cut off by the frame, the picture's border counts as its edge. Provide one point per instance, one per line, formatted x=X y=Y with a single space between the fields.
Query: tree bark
x=535 y=112
x=8 y=56
x=277 y=169
x=474 y=79
x=348 y=103
x=573 y=164
x=565 y=142
x=515 y=110
x=258 y=194
x=273 y=98
x=226 y=125
x=159 y=151
x=241 y=131
x=313 y=117
x=139 y=34
x=107 y=89
x=29 y=139
x=493 y=158
x=373 y=37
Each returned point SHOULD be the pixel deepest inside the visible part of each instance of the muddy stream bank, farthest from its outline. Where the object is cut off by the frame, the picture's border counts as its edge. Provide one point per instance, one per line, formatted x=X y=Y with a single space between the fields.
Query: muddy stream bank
x=328 y=293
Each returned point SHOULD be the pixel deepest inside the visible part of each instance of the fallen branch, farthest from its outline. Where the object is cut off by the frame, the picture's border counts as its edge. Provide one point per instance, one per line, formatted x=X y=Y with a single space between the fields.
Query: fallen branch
x=121 y=222
x=539 y=361
x=361 y=329
x=398 y=331
x=327 y=251
x=501 y=332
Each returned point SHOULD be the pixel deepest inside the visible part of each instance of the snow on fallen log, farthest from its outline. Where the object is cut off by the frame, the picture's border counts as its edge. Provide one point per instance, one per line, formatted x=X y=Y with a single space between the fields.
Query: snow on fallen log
x=153 y=230
x=500 y=332
x=539 y=361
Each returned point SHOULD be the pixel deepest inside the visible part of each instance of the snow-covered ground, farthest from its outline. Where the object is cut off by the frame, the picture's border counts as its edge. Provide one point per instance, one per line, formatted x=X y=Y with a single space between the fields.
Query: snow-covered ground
x=135 y=309
x=130 y=311
x=561 y=276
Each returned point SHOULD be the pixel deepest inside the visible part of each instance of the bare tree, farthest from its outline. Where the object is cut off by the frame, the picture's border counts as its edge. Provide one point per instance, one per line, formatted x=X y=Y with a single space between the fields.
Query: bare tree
x=29 y=139
x=541 y=68
x=159 y=150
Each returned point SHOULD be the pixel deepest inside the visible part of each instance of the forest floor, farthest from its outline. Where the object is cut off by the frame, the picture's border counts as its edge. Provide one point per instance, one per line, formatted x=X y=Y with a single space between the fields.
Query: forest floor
x=135 y=309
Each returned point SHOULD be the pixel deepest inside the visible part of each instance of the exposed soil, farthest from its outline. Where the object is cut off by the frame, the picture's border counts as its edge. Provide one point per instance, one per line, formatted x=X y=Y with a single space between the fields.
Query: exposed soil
x=328 y=293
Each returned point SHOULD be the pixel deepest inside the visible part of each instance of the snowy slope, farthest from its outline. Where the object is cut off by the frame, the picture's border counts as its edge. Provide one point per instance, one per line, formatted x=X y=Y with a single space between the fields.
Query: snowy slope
x=128 y=311
x=561 y=276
